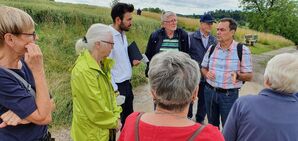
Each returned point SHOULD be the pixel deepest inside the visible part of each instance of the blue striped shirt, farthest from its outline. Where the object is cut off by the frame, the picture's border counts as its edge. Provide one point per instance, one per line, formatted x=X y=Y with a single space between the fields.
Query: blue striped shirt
x=223 y=62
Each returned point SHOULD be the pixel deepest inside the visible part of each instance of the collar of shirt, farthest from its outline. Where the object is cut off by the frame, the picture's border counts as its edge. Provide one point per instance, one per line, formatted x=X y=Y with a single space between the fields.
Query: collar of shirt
x=175 y=36
x=279 y=95
x=203 y=35
x=115 y=32
x=233 y=45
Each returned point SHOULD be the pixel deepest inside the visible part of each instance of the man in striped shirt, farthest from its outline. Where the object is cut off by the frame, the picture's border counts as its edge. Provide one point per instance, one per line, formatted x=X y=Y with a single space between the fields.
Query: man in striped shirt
x=167 y=38
x=224 y=72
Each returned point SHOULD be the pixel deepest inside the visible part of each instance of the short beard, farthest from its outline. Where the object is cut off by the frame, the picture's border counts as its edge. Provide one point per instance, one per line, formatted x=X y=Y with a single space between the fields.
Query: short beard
x=123 y=28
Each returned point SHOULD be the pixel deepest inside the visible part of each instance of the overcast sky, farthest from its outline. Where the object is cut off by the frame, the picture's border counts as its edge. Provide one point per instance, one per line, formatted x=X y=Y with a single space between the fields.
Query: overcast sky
x=178 y=6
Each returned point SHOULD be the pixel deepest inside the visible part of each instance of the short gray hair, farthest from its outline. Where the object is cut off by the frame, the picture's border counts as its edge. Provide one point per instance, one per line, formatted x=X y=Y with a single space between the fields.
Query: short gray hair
x=165 y=15
x=95 y=33
x=282 y=72
x=173 y=77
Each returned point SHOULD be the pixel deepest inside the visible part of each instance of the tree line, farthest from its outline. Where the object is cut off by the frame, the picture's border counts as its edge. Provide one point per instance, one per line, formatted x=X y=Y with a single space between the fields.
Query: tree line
x=270 y=16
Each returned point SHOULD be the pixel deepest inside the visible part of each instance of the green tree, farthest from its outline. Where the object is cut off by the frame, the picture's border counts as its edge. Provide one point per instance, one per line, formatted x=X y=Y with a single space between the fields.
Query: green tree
x=275 y=16
x=155 y=10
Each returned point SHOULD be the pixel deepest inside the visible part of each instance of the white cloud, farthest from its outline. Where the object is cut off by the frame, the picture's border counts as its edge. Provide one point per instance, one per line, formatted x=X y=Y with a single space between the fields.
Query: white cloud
x=178 y=6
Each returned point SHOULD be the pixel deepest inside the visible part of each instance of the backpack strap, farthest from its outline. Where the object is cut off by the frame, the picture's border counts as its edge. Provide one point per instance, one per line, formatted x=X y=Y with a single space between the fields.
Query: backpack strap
x=137 y=135
x=22 y=80
x=211 y=50
x=197 y=132
x=239 y=51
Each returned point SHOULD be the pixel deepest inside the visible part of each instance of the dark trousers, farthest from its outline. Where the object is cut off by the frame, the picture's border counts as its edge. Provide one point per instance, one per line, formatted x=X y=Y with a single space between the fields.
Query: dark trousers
x=125 y=89
x=219 y=103
x=201 y=108
x=47 y=137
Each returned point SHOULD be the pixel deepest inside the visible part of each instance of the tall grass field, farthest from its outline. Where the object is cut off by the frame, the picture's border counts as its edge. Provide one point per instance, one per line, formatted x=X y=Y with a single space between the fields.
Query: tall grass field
x=59 y=25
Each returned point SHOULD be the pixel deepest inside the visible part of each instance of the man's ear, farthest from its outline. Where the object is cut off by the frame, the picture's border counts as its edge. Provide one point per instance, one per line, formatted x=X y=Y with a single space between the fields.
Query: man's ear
x=233 y=31
x=118 y=20
x=9 y=39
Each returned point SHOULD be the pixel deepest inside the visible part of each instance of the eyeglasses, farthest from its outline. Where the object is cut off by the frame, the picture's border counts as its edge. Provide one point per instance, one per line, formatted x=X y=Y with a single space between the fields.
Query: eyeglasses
x=30 y=34
x=107 y=42
x=171 y=21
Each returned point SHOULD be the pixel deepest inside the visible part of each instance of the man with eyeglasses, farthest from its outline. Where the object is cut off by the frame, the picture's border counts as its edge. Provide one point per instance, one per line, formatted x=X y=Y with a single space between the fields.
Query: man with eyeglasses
x=122 y=70
x=200 y=41
x=168 y=38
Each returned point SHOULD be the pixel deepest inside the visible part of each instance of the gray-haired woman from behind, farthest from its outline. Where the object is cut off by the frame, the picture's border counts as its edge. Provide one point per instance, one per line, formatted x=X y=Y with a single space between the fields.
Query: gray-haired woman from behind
x=272 y=114
x=173 y=78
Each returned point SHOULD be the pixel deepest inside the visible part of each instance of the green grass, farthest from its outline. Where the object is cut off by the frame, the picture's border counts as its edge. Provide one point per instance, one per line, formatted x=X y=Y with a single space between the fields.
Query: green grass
x=59 y=25
x=260 y=48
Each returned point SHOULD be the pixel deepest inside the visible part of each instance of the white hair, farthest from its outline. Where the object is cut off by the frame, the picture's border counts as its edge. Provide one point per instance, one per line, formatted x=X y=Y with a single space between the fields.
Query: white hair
x=165 y=15
x=282 y=73
x=95 y=33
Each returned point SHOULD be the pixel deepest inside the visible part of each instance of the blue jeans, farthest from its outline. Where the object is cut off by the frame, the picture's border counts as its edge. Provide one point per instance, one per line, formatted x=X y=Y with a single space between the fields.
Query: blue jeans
x=219 y=104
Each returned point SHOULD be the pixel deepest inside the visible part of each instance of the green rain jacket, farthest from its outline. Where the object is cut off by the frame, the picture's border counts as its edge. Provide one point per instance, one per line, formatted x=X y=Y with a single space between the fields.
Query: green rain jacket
x=94 y=102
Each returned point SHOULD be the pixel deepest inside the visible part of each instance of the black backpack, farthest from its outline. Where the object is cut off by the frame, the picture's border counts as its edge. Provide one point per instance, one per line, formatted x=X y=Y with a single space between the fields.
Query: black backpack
x=239 y=52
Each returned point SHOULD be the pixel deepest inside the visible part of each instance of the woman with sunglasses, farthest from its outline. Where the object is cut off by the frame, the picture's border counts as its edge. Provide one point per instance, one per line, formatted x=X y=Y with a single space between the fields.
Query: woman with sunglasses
x=25 y=110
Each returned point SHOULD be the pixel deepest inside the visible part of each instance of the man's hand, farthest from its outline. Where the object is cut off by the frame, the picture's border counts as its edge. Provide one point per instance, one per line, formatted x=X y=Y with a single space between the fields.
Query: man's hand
x=234 y=77
x=210 y=75
x=136 y=62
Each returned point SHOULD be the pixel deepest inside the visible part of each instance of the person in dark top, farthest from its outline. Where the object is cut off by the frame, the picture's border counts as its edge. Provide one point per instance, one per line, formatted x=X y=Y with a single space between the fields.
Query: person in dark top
x=139 y=11
x=24 y=116
x=168 y=38
x=200 y=41
x=272 y=114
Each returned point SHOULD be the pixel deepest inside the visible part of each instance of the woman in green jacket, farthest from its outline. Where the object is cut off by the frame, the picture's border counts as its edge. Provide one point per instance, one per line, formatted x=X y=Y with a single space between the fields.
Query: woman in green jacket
x=95 y=112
